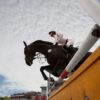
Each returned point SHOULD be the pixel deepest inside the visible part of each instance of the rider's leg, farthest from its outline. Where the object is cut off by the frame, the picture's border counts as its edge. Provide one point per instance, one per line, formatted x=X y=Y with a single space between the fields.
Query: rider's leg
x=70 y=48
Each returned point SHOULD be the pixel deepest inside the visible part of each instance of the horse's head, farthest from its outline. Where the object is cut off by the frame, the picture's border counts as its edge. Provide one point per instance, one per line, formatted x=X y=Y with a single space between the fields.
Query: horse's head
x=29 y=54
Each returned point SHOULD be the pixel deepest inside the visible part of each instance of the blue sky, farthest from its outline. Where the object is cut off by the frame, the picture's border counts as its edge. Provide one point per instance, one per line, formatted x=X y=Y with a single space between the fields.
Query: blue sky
x=98 y=1
x=30 y=20
x=2 y=79
x=7 y=88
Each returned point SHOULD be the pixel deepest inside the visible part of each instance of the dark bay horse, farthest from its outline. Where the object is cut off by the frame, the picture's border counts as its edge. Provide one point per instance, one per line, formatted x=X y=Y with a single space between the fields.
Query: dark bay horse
x=56 y=56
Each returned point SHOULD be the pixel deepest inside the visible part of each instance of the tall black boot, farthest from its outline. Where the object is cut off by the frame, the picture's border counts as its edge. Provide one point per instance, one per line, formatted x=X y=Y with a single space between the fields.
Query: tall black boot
x=70 y=48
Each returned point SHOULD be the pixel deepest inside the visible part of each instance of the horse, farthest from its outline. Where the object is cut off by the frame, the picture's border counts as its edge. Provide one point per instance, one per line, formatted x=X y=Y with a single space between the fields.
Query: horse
x=57 y=57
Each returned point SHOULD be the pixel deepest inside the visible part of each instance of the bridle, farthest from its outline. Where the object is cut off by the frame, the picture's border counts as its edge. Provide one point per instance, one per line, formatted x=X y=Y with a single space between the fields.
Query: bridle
x=40 y=57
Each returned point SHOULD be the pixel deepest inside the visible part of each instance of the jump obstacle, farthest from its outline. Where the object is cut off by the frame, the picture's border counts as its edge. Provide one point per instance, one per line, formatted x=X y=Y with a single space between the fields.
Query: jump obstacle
x=83 y=84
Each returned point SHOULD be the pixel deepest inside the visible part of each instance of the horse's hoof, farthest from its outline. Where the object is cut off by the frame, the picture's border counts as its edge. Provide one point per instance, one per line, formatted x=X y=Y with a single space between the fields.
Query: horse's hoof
x=51 y=79
x=57 y=85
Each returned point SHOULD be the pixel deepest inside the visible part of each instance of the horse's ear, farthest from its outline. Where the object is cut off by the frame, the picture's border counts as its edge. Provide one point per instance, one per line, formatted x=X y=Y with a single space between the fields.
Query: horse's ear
x=25 y=43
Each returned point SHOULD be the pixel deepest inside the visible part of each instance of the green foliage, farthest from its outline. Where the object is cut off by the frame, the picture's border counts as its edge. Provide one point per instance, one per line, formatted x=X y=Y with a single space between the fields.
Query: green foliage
x=5 y=98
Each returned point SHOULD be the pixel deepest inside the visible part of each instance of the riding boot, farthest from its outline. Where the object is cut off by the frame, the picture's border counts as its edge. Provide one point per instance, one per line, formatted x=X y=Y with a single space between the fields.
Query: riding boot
x=65 y=48
x=70 y=48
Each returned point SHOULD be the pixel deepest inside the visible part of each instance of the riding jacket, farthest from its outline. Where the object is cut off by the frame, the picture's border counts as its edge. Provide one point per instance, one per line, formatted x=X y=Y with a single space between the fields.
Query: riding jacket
x=59 y=39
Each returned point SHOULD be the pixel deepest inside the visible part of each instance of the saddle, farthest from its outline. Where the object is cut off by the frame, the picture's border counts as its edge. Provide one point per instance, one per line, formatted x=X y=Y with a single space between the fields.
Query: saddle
x=68 y=49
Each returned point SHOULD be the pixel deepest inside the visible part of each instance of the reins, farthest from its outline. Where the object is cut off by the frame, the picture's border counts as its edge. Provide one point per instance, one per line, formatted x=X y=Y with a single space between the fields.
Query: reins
x=40 y=57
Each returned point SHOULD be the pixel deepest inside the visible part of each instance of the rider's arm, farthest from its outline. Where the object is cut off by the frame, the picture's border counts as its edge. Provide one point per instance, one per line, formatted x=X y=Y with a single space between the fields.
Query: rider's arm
x=57 y=38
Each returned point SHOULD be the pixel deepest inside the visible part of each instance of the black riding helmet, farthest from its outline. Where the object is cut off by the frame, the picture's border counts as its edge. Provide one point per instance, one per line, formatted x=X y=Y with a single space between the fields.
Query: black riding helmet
x=52 y=33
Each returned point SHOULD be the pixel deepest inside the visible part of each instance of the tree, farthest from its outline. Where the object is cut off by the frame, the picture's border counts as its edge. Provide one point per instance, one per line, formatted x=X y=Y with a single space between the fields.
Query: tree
x=5 y=98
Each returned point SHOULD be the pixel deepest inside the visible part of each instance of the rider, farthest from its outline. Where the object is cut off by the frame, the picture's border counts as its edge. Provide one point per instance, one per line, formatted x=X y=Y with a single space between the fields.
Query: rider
x=59 y=39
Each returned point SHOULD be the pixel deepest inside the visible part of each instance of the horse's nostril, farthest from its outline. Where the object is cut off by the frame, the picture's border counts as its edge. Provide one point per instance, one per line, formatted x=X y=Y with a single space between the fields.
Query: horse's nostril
x=28 y=63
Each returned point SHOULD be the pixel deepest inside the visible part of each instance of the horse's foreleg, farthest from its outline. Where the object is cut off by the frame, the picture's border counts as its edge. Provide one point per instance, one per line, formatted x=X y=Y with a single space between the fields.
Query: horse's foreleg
x=42 y=71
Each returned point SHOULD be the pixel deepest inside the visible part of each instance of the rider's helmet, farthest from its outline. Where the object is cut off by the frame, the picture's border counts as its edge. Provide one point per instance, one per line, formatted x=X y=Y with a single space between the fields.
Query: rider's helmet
x=52 y=33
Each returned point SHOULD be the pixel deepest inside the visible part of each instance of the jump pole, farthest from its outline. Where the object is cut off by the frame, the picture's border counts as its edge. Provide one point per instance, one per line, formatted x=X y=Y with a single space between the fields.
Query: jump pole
x=47 y=89
x=48 y=86
x=83 y=49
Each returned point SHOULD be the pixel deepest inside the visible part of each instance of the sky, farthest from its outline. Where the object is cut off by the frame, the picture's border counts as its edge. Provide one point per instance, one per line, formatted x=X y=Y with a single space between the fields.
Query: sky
x=30 y=20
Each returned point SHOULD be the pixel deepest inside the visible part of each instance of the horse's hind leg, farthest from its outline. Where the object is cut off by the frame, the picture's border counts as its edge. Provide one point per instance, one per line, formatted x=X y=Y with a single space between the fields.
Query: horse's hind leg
x=42 y=71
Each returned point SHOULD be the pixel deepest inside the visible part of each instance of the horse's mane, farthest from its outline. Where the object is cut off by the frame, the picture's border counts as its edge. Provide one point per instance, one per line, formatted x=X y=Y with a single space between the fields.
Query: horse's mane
x=41 y=41
x=50 y=43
